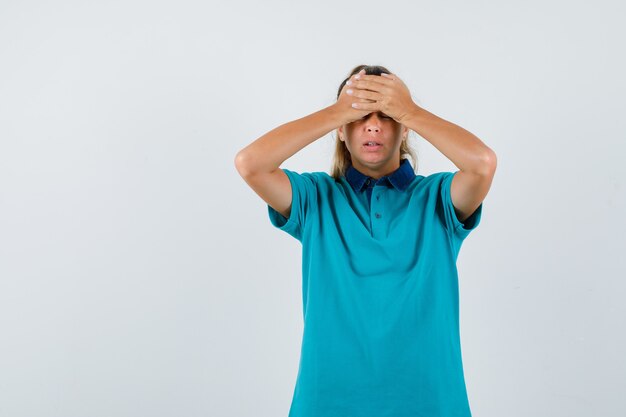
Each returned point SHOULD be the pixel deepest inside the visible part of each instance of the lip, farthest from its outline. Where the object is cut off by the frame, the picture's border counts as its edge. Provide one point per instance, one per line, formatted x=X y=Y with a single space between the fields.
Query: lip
x=371 y=148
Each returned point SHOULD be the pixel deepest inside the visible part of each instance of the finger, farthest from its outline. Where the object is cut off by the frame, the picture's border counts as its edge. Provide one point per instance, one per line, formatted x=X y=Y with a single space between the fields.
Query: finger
x=376 y=79
x=366 y=106
x=350 y=82
x=358 y=75
x=355 y=97
x=355 y=77
x=363 y=100
x=371 y=95
x=374 y=85
x=391 y=77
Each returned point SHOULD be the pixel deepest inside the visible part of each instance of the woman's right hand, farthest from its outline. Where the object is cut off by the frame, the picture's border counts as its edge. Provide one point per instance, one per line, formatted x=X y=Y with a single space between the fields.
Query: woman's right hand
x=343 y=106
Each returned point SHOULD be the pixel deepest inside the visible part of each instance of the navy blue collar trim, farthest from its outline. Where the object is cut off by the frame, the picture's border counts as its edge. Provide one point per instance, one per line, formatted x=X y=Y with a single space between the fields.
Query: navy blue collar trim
x=400 y=178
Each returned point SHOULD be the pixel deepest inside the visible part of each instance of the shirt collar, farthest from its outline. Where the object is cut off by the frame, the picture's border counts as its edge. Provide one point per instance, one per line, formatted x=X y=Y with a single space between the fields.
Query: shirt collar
x=400 y=178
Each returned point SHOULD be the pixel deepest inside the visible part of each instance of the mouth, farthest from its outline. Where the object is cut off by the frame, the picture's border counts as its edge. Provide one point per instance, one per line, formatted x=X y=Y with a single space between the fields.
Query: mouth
x=372 y=145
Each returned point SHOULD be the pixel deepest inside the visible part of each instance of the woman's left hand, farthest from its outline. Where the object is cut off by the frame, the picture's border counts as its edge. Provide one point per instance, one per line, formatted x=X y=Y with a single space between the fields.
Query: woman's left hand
x=389 y=92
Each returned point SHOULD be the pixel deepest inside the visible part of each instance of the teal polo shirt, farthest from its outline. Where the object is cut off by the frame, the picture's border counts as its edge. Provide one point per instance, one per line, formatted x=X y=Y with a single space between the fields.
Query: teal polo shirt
x=380 y=294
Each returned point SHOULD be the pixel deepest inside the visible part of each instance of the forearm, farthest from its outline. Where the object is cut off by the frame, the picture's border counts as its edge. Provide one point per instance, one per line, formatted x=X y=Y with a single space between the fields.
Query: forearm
x=464 y=149
x=268 y=152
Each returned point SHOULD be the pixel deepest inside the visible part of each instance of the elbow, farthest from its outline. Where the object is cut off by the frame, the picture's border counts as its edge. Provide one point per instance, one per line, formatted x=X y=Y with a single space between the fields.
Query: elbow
x=489 y=162
x=492 y=160
x=242 y=163
x=248 y=163
x=485 y=163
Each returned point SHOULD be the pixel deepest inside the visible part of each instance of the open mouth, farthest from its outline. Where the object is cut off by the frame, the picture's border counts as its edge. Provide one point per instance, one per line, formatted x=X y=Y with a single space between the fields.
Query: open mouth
x=372 y=144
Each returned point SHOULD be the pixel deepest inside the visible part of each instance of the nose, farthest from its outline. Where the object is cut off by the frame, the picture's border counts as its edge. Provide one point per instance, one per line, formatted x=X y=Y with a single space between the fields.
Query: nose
x=373 y=123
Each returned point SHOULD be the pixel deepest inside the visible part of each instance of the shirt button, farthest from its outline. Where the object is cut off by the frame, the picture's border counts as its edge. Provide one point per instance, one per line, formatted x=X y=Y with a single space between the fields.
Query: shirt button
x=378 y=215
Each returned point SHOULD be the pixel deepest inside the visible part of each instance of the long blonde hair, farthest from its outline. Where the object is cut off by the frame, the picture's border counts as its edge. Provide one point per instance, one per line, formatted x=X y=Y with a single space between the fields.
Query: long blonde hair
x=342 y=159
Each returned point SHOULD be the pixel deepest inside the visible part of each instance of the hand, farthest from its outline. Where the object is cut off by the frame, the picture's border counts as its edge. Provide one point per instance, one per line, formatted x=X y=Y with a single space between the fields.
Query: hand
x=349 y=114
x=385 y=93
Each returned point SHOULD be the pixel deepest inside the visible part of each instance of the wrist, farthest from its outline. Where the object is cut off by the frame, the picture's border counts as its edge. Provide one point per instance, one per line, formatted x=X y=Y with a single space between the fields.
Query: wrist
x=335 y=115
x=412 y=115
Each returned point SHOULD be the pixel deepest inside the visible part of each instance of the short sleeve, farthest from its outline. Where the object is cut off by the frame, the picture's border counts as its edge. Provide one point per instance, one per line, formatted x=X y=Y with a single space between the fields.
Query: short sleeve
x=303 y=203
x=459 y=229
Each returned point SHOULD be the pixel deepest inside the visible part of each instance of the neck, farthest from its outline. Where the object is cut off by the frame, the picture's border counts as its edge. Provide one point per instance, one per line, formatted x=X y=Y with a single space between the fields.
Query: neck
x=376 y=172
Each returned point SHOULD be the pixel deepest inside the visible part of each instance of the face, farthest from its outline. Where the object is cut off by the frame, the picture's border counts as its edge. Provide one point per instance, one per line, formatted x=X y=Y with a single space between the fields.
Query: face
x=374 y=143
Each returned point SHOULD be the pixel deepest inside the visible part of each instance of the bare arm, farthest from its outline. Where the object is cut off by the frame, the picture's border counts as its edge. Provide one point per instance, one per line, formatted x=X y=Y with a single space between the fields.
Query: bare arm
x=475 y=160
x=259 y=162
x=267 y=153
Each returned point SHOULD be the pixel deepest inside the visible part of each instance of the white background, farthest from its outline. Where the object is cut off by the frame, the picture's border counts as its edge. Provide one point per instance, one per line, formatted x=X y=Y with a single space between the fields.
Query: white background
x=140 y=275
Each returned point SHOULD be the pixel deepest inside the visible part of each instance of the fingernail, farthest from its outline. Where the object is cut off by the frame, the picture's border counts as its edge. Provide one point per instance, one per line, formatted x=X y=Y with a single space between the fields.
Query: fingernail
x=349 y=91
x=349 y=82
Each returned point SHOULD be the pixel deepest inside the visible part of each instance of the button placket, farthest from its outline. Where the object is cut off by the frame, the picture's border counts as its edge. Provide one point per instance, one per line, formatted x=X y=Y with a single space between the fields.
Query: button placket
x=376 y=213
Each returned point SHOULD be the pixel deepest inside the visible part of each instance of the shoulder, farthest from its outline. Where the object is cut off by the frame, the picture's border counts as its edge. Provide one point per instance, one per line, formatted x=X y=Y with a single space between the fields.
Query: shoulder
x=438 y=177
x=317 y=178
x=430 y=183
x=437 y=180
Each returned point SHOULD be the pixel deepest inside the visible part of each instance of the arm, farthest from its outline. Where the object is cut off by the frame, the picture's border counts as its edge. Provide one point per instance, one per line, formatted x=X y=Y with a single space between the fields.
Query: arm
x=268 y=152
x=259 y=162
x=476 y=162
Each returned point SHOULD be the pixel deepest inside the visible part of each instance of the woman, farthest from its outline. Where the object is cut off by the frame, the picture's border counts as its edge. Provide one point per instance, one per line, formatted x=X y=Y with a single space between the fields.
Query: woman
x=379 y=249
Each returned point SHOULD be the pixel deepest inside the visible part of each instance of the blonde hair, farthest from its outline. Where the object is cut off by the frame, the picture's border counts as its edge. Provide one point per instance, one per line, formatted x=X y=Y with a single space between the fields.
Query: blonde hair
x=342 y=159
